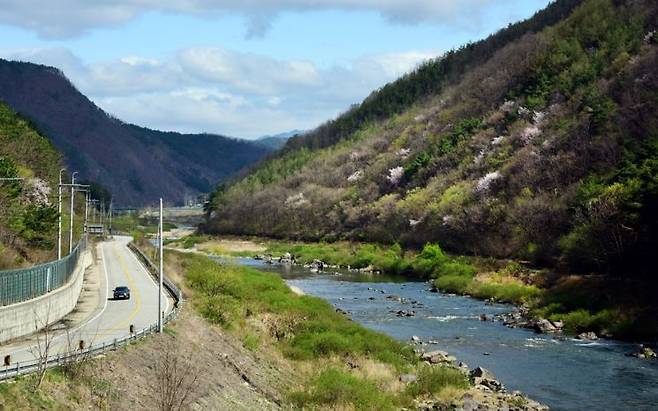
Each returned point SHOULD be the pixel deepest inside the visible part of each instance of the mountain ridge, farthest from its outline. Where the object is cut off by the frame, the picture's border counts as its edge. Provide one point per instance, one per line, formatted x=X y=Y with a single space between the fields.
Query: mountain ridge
x=137 y=164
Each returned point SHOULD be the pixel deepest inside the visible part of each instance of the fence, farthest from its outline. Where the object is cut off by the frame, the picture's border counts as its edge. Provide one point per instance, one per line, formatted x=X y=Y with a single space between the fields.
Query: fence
x=28 y=283
x=27 y=367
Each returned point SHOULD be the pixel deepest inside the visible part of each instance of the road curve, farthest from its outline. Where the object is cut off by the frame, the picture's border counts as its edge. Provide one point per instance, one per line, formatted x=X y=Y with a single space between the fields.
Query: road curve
x=111 y=319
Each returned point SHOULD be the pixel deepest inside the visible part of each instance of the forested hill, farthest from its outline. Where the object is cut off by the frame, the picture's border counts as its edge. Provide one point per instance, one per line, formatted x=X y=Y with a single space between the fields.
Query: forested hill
x=28 y=213
x=540 y=142
x=137 y=164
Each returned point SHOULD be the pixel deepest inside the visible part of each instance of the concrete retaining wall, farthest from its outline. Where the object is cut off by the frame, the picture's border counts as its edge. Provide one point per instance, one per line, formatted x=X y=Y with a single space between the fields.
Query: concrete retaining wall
x=18 y=320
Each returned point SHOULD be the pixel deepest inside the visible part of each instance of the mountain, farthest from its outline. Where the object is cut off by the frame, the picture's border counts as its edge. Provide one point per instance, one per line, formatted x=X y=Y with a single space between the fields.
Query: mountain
x=137 y=164
x=277 y=141
x=539 y=142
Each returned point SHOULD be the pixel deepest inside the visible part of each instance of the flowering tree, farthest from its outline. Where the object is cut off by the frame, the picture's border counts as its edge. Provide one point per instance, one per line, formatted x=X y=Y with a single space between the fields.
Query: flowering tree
x=395 y=175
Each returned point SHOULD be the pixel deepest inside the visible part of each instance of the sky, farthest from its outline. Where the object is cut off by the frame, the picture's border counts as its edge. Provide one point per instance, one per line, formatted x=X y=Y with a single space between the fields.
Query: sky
x=243 y=68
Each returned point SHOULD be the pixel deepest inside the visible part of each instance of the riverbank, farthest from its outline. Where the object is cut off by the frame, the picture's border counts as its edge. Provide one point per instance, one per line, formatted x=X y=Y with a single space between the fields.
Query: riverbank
x=575 y=305
x=341 y=363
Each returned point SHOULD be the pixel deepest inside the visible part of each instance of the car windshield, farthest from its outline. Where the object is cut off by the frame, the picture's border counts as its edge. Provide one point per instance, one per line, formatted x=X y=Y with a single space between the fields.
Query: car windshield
x=121 y=289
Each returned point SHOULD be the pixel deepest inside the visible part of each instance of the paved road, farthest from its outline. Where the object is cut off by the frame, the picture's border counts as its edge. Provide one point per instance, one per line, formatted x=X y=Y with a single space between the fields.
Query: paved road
x=111 y=319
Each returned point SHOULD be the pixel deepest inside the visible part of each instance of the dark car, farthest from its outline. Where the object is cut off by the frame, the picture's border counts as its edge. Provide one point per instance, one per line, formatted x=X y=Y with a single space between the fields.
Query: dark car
x=122 y=293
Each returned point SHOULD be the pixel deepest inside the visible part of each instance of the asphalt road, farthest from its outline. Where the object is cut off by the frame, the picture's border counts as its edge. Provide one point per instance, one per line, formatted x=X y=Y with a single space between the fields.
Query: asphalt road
x=111 y=319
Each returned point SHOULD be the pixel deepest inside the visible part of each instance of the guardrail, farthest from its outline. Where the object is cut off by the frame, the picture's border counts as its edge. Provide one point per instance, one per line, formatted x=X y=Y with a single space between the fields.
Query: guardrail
x=27 y=367
x=153 y=270
x=27 y=283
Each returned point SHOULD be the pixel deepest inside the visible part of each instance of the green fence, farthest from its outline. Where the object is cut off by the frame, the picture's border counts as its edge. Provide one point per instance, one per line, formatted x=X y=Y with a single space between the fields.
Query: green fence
x=27 y=283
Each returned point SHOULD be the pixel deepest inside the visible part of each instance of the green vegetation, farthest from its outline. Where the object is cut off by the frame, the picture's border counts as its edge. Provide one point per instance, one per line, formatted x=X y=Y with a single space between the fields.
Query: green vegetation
x=307 y=330
x=28 y=213
x=336 y=388
x=228 y=295
x=434 y=379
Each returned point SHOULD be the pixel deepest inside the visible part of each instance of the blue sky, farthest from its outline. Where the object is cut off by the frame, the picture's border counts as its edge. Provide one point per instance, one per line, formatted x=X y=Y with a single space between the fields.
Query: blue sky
x=243 y=68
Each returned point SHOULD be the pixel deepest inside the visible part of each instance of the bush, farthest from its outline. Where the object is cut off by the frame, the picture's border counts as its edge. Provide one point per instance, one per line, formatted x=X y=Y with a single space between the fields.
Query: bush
x=338 y=389
x=431 y=380
x=453 y=283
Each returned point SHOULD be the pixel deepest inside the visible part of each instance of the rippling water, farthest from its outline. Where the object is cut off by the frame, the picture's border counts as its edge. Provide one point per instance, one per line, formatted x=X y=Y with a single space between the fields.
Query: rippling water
x=566 y=374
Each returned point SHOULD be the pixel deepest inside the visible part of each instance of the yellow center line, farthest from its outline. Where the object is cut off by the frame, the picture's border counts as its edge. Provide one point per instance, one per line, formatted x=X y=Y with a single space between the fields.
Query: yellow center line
x=133 y=291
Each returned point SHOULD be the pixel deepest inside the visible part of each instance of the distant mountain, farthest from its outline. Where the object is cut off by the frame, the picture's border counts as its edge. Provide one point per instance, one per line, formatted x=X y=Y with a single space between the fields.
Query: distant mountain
x=277 y=141
x=137 y=164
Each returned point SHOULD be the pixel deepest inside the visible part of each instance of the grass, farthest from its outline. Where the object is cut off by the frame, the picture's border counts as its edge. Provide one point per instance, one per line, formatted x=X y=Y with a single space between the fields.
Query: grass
x=228 y=295
x=338 y=389
x=432 y=380
x=261 y=309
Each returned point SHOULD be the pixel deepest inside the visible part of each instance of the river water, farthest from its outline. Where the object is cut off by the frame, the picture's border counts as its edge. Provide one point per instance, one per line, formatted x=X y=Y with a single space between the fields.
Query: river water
x=563 y=373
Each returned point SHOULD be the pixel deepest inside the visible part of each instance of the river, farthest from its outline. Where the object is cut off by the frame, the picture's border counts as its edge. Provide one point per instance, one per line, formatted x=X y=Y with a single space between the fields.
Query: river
x=563 y=373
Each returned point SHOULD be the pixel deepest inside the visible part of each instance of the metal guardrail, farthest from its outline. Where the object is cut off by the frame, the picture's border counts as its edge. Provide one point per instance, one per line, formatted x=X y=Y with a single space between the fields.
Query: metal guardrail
x=27 y=283
x=153 y=270
x=27 y=367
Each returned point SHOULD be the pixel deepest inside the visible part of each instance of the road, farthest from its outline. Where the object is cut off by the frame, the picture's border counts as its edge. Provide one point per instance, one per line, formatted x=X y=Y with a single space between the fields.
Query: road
x=110 y=319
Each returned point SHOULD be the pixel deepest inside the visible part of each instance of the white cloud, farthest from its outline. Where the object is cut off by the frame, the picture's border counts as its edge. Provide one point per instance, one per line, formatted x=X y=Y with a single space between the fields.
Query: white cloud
x=207 y=89
x=70 y=18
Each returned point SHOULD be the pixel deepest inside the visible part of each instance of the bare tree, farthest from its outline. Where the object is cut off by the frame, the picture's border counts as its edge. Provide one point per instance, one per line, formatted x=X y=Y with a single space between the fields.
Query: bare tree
x=175 y=377
x=44 y=340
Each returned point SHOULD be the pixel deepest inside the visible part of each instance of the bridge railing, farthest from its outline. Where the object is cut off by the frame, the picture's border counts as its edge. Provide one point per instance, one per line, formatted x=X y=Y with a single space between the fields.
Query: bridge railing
x=27 y=283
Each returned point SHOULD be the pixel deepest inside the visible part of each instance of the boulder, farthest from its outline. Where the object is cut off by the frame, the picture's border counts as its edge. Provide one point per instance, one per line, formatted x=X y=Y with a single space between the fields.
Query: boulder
x=484 y=378
x=438 y=357
x=404 y=313
x=588 y=336
x=544 y=326
x=644 y=352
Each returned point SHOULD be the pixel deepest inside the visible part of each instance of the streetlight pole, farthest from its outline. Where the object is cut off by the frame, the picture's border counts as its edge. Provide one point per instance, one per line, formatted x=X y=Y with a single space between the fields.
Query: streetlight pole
x=59 y=216
x=72 y=198
x=161 y=272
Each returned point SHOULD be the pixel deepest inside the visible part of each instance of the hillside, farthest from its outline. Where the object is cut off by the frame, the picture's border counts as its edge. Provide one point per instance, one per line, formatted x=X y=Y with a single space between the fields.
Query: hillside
x=137 y=164
x=28 y=213
x=539 y=143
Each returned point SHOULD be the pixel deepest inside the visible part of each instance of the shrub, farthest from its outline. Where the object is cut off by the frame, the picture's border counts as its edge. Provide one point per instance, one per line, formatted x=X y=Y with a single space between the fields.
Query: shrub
x=431 y=380
x=338 y=389
x=453 y=283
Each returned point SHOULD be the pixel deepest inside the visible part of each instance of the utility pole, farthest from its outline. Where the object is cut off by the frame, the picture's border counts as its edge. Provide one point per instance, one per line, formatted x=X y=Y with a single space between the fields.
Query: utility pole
x=72 y=202
x=86 y=228
x=161 y=272
x=59 y=216
x=110 y=223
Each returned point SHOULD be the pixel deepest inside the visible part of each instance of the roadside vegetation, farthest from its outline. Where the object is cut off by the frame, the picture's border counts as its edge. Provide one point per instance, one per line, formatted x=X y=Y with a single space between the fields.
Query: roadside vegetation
x=345 y=365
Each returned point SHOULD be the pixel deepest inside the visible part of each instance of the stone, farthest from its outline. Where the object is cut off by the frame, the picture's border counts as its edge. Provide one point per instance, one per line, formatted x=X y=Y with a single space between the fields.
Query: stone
x=408 y=378
x=483 y=317
x=588 y=336
x=643 y=352
x=438 y=357
x=544 y=326
x=481 y=372
x=415 y=338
